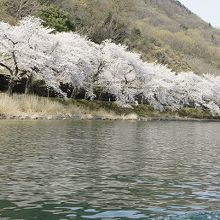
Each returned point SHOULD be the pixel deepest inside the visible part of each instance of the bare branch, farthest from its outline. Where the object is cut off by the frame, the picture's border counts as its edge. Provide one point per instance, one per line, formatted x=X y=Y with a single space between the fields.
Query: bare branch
x=7 y=67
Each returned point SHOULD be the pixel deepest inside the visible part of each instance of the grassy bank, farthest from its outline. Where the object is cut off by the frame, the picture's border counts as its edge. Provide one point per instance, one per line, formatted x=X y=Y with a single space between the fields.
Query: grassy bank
x=34 y=107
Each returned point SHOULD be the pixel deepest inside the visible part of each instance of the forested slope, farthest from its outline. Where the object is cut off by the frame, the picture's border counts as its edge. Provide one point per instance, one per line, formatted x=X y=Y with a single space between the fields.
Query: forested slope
x=160 y=30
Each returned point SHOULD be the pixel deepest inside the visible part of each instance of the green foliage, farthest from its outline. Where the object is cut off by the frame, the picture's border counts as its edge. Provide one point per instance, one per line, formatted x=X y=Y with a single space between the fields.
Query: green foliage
x=55 y=18
x=142 y=110
x=184 y=27
x=112 y=29
x=195 y=113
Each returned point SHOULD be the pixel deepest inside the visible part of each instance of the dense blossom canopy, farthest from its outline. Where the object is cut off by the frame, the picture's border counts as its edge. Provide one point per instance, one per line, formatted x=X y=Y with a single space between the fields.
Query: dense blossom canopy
x=31 y=49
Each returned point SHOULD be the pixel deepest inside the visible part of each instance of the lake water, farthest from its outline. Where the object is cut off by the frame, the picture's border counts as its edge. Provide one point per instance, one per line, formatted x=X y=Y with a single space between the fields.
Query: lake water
x=56 y=170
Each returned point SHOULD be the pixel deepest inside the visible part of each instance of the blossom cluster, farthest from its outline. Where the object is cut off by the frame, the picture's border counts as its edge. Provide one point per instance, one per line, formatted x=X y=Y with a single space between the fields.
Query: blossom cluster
x=30 y=48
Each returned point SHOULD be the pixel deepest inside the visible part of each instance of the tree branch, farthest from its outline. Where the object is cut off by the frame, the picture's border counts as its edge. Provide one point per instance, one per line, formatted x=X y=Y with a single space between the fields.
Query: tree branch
x=15 y=63
x=6 y=67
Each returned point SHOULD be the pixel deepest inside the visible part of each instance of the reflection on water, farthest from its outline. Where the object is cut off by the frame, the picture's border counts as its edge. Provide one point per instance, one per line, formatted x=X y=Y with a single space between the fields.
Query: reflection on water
x=52 y=170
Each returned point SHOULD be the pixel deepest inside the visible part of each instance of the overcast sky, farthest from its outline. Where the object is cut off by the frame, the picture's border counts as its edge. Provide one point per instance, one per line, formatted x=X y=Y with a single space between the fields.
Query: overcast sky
x=208 y=10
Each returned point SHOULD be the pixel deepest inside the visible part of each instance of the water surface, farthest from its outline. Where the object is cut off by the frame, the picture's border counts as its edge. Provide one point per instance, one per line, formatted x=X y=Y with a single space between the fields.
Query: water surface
x=52 y=170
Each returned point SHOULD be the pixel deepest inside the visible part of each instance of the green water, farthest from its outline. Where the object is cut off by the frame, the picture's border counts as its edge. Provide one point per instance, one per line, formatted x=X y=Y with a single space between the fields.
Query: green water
x=52 y=170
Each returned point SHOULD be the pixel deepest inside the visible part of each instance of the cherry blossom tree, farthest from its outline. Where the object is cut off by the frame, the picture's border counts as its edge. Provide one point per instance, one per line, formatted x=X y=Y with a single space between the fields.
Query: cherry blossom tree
x=25 y=49
x=29 y=49
x=121 y=72
x=77 y=61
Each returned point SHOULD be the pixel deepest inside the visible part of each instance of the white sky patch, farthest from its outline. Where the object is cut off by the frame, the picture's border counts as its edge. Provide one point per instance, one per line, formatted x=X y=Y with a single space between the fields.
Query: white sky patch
x=208 y=10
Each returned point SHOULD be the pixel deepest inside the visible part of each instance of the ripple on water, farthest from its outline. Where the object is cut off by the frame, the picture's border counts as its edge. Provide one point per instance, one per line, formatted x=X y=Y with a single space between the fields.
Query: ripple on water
x=52 y=170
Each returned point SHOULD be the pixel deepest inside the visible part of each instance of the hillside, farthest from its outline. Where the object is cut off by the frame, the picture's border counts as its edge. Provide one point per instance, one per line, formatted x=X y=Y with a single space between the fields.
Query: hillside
x=182 y=32
x=162 y=30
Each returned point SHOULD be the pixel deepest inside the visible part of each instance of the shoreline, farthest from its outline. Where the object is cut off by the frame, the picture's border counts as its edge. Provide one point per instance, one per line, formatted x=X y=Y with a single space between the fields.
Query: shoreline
x=100 y=118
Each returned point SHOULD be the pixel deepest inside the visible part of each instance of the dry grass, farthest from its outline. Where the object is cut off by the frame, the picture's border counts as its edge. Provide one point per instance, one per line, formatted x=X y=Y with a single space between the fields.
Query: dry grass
x=34 y=107
x=37 y=104
x=30 y=106
x=8 y=105
x=26 y=104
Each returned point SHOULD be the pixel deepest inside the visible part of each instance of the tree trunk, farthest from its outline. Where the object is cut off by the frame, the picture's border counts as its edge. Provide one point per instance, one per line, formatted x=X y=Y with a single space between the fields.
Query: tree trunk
x=73 y=93
x=48 y=91
x=28 y=84
x=11 y=86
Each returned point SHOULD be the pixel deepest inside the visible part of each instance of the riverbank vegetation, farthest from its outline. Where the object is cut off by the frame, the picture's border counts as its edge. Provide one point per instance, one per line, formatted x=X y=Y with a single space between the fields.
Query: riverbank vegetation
x=35 y=107
x=73 y=67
